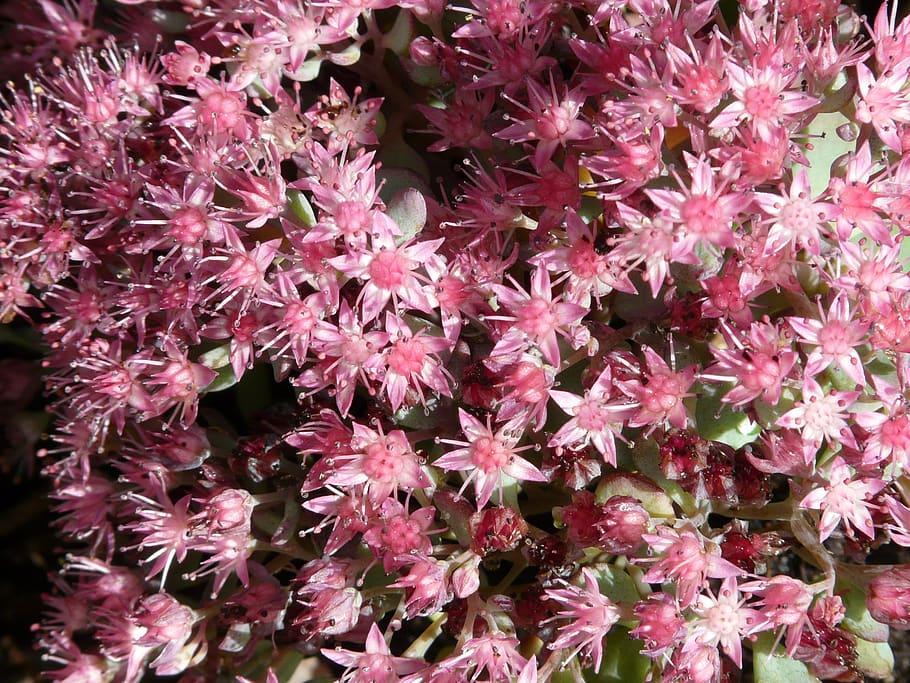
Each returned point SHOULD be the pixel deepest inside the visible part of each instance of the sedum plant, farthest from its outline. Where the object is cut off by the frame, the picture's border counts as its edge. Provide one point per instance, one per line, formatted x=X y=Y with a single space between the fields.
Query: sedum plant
x=510 y=340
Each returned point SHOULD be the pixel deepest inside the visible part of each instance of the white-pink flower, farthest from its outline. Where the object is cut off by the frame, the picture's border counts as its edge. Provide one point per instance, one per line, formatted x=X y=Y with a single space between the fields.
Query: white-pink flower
x=489 y=457
x=844 y=496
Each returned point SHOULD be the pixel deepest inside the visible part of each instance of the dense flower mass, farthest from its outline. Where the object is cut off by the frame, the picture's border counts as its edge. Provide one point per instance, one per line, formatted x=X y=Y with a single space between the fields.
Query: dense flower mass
x=509 y=340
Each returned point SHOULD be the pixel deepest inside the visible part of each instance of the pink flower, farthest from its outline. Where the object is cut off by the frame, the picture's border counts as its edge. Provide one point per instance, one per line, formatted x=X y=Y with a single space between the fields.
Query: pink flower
x=351 y=355
x=164 y=527
x=375 y=664
x=388 y=271
x=888 y=597
x=589 y=275
x=591 y=615
x=489 y=457
x=495 y=653
x=553 y=121
x=784 y=603
x=876 y=274
x=181 y=382
x=660 y=625
x=723 y=620
x=652 y=242
x=538 y=317
x=757 y=365
x=412 y=362
x=659 y=395
x=398 y=536
x=159 y=621
x=835 y=337
x=705 y=210
x=859 y=200
x=185 y=64
x=889 y=431
x=688 y=559
x=594 y=420
x=796 y=219
x=383 y=463
x=843 y=497
x=821 y=416
x=883 y=103
x=762 y=98
x=526 y=386
x=427 y=587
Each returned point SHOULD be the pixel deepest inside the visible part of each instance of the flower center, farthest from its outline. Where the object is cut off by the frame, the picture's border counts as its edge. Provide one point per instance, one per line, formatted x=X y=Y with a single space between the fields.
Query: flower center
x=700 y=215
x=796 y=216
x=388 y=270
x=407 y=357
x=351 y=218
x=489 y=454
x=724 y=620
x=188 y=225
x=591 y=416
x=382 y=463
x=535 y=318
x=761 y=102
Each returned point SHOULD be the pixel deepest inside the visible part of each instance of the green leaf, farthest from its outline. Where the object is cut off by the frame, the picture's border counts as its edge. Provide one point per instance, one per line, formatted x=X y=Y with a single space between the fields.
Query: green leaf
x=225 y=380
x=302 y=208
x=308 y=71
x=622 y=660
x=777 y=667
x=399 y=37
x=826 y=150
x=219 y=359
x=874 y=659
x=652 y=497
x=397 y=180
x=616 y=584
x=408 y=209
x=858 y=621
x=720 y=422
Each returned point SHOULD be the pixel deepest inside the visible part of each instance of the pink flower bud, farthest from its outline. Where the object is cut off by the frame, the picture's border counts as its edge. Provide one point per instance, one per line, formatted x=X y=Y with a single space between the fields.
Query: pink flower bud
x=829 y=609
x=163 y=619
x=497 y=529
x=229 y=511
x=623 y=520
x=185 y=64
x=466 y=577
x=659 y=623
x=889 y=597
x=423 y=52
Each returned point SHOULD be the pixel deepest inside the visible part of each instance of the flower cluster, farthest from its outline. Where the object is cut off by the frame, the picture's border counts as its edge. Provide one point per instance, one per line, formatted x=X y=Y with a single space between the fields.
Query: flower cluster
x=394 y=340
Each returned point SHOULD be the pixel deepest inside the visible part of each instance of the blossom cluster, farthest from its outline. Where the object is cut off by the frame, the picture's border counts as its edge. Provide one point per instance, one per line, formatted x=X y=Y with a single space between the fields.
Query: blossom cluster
x=509 y=340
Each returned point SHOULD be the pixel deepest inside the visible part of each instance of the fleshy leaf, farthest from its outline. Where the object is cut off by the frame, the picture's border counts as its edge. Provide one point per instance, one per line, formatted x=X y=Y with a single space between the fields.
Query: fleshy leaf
x=777 y=667
x=622 y=661
x=302 y=208
x=408 y=209
x=859 y=622
x=826 y=148
x=720 y=422
x=616 y=584
x=652 y=497
x=874 y=659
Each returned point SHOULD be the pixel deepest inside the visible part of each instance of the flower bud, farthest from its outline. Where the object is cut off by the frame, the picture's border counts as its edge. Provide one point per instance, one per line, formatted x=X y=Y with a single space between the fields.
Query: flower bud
x=659 y=623
x=889 y=597
x=497 y=529
x=622 y=522
x=466 y=577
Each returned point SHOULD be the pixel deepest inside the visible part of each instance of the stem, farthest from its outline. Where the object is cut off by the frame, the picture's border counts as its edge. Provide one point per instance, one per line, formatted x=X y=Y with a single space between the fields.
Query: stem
x=778 y=512
x=517 y=568
x=418 y=648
